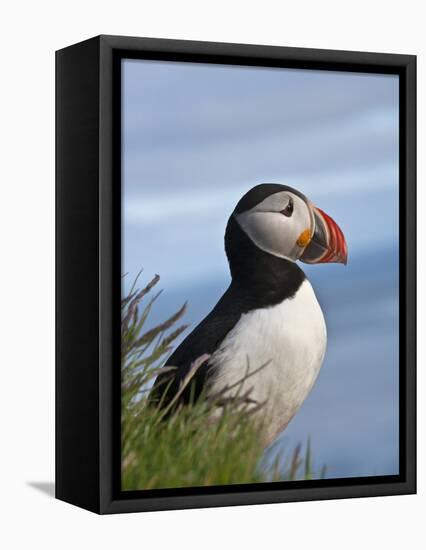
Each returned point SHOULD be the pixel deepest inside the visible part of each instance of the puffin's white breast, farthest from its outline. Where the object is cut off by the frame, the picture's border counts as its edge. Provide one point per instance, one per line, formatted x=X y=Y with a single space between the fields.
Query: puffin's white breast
x=291 y=338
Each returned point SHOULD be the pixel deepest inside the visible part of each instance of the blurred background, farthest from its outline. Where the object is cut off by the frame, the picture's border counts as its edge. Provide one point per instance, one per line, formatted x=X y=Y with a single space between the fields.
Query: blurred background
x=196 y=137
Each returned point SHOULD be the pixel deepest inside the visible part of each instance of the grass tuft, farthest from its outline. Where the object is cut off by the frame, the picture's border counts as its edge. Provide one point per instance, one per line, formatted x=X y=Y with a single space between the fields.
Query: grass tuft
x=214 y=441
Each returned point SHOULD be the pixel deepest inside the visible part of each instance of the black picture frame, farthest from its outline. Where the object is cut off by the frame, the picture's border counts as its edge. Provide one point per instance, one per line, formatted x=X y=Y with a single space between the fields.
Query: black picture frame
x=88 y=241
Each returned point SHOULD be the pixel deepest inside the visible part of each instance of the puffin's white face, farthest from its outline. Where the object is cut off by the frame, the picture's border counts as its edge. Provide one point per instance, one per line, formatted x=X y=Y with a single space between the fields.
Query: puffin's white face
x=282 y=224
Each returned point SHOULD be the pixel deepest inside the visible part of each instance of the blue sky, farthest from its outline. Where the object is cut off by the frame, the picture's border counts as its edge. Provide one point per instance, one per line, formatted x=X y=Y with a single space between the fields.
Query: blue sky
x=195 y=138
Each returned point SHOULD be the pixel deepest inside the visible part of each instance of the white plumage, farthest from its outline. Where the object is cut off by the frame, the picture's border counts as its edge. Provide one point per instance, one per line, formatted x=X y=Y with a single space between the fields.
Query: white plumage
x=292 y=338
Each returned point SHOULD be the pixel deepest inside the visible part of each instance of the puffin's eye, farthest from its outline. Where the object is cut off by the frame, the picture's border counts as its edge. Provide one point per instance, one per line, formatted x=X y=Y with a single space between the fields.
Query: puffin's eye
x=288 y=210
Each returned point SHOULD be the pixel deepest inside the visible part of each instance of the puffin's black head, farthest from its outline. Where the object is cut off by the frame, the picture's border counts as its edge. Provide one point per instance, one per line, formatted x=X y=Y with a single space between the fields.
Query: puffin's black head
x=283 y=224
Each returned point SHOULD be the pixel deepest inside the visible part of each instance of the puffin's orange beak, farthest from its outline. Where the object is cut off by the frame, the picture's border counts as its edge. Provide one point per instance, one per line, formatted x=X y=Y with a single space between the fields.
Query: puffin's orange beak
x=327 y=243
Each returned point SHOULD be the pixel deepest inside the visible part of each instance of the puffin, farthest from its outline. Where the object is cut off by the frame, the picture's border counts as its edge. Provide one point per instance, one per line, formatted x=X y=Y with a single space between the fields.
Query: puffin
x=268 y=328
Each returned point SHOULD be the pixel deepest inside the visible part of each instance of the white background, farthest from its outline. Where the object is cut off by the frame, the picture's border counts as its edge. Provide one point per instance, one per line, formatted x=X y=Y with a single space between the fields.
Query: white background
x=30 y=32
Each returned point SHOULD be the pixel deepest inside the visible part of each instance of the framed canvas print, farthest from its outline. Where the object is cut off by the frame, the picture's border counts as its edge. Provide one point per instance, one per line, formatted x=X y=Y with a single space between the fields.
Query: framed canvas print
x=235 y=274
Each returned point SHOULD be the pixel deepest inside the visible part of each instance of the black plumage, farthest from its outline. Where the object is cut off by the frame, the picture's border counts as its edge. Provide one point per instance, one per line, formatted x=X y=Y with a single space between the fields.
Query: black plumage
x=259 y=280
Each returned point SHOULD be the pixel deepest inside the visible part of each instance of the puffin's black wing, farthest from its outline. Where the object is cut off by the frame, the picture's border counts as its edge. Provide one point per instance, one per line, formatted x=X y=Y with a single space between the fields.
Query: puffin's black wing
x=204 y=339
